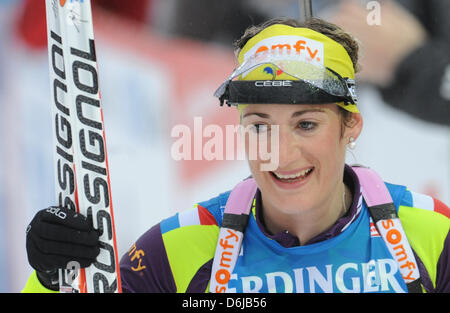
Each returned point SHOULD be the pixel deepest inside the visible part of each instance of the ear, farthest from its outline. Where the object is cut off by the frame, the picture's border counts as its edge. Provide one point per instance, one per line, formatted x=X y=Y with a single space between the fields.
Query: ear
x=354 y=127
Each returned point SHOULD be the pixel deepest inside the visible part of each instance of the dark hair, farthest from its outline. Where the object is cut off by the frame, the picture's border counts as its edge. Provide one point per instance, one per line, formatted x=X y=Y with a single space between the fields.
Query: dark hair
x=330 y=30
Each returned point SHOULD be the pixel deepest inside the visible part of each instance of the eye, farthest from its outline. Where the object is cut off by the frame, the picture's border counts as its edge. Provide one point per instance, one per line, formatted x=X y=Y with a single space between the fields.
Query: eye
x=260 y=128
x=307 y=125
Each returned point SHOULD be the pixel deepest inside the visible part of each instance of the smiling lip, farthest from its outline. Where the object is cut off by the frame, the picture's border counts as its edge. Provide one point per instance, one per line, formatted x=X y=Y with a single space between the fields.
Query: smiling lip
x=291 y=183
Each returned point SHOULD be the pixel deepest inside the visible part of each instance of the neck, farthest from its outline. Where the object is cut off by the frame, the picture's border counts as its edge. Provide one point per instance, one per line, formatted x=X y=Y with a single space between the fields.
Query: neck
x=306 y=224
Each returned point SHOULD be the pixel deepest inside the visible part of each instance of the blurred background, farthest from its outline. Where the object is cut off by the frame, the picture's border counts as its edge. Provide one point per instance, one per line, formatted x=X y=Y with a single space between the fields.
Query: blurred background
x=160 y=62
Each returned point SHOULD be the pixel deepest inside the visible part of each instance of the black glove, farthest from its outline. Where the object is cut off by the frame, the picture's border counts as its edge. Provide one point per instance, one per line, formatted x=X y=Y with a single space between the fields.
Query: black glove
x=57 y=236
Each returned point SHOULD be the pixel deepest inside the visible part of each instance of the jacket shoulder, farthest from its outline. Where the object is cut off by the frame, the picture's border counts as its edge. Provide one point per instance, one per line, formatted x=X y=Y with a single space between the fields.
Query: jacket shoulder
x=168 y=256
x=190 y=238
x=426 y=223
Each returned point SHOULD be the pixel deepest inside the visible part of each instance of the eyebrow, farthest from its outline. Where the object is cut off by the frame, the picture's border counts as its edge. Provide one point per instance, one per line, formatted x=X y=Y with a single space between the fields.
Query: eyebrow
x=298 y=113
x=295 y=114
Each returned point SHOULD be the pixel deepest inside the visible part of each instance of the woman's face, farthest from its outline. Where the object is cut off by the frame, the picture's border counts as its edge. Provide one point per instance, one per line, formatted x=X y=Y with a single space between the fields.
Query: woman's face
x=311 y=157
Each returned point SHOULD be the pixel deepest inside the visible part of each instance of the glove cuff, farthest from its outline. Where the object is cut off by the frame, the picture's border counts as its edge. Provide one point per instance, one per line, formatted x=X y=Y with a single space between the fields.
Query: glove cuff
x=49 y=279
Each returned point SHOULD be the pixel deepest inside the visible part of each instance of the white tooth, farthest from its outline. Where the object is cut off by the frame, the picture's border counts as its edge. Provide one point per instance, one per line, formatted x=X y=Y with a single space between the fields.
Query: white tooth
x=287 y=176
x=302 y=173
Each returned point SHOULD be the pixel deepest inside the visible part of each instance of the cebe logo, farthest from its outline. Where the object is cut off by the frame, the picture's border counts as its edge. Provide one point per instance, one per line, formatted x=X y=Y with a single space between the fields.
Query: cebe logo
x=273 y=83
x=223 y=274
x=395 y=238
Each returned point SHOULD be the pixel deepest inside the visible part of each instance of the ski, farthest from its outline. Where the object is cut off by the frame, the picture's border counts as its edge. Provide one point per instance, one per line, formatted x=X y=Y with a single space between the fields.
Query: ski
x=82 y=181
x=305 y=10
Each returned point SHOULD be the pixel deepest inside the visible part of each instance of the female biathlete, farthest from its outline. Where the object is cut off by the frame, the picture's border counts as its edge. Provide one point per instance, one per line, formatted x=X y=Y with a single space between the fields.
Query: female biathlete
x=309 y=224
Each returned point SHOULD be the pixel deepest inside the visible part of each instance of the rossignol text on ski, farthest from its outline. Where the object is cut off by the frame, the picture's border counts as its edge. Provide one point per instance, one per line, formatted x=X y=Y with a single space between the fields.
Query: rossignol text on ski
x=82 y=180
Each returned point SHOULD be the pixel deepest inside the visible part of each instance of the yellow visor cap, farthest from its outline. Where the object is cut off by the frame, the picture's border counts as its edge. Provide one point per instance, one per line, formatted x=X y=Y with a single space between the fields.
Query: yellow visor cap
x=304 y=44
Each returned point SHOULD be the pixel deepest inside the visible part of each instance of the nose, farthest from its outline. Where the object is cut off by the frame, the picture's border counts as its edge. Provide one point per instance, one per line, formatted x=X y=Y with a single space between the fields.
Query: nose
x=289 y=148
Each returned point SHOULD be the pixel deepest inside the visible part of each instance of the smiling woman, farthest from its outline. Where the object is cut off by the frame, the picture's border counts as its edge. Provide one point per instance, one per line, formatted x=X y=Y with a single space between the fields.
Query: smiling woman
x=312 y=223
x=305 y=194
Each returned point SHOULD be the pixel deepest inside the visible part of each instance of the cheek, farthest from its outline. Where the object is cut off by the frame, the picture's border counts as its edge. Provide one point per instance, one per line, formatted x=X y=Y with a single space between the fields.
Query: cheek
x=329 y=147
x=253 y=164
x=328 y=150
x=252 y=155
x=257 y=147
x=331 y=158
x=255 y=169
